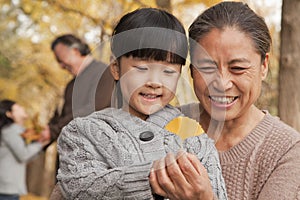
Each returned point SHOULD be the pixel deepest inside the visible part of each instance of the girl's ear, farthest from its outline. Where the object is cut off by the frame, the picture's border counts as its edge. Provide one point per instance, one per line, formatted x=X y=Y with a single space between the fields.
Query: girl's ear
x=115 y=69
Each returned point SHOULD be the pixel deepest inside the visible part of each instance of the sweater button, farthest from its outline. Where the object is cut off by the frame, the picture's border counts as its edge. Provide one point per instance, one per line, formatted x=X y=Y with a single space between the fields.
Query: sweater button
x=146 y=136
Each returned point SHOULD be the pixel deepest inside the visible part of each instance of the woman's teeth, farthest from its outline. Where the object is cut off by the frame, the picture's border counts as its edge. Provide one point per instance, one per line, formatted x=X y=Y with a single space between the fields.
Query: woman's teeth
x=222 y=100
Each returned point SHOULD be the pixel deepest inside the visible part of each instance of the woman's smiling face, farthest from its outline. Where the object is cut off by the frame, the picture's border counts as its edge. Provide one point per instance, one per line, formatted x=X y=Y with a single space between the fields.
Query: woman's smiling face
x=227 y=73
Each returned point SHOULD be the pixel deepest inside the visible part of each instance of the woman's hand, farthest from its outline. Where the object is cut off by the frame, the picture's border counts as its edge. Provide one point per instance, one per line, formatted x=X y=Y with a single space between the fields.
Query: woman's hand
x=180 y=177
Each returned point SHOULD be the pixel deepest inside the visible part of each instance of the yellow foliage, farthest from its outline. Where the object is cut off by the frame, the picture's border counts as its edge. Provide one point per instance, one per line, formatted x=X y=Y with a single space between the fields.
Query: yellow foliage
x=184 y=127
x=32 y=197
x=207 y=3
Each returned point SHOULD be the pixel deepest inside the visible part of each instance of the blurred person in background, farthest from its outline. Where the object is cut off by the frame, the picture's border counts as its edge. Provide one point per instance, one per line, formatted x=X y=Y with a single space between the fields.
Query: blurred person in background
x=89 y=90
x=14 y=151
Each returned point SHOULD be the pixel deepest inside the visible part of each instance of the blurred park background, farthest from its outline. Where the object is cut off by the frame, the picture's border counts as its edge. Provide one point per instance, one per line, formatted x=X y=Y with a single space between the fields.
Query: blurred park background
x=30 y=74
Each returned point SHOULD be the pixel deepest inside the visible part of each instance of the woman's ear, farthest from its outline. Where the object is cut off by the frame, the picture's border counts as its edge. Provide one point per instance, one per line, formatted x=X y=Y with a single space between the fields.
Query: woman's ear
x=115 y=69
x=265 y=67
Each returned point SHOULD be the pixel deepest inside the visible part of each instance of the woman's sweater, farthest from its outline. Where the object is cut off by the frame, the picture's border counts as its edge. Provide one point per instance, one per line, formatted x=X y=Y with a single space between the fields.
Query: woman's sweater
x=108 y=154
x=265 y=165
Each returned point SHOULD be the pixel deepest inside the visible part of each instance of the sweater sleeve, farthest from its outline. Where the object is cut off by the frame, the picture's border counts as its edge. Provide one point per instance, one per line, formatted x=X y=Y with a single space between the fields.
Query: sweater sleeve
x=22 y=152
x=204 y=148
x=93 y=164
x=284 y=181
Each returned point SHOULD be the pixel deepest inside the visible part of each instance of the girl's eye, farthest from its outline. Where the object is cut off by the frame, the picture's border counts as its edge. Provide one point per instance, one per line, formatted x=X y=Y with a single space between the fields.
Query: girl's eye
x=169 y=71
x=141 y=68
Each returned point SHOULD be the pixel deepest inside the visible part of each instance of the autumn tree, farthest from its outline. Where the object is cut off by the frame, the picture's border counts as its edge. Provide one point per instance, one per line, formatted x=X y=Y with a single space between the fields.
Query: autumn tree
x=289 y=82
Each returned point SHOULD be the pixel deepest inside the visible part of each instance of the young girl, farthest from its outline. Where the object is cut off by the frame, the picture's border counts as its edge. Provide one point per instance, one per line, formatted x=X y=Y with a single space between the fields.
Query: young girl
x=109 y=154
x=14 y=152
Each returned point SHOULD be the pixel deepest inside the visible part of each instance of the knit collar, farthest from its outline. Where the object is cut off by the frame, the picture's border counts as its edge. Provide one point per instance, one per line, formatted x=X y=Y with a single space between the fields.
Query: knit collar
x=164 y=116
x=126 y=120
x=253 y=139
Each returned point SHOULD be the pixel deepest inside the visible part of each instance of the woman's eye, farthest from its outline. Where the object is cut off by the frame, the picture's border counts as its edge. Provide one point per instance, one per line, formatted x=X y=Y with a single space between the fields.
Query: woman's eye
x=238 y=69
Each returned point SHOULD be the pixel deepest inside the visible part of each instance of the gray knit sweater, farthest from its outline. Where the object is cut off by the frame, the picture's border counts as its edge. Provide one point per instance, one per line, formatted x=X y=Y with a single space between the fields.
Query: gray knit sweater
x=103 y=157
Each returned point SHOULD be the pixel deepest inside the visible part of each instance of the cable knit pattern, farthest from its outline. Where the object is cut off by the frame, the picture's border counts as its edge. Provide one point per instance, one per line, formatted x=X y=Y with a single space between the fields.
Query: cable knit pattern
x=208 y=155
x=102 y=157
x=265 y=165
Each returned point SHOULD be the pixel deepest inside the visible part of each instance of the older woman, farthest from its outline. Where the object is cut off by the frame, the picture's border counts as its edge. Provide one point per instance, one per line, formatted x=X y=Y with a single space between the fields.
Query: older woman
x=259 y=154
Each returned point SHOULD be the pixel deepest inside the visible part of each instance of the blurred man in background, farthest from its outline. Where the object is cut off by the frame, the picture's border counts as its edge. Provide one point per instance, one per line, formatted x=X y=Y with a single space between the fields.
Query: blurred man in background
x=89 y=90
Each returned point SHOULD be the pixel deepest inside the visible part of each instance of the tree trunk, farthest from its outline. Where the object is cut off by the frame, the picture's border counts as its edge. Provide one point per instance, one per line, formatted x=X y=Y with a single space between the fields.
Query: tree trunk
x=41 y=172
x=289 y=72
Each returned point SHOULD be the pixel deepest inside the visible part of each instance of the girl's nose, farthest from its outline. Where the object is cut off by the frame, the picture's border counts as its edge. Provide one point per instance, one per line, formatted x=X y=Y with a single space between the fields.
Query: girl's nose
x=154 y=83
x=154 y=79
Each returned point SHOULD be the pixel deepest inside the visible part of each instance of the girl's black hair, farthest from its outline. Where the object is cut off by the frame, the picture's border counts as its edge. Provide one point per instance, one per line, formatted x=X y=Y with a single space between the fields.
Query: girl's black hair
x=150 y=33
x=5 y=106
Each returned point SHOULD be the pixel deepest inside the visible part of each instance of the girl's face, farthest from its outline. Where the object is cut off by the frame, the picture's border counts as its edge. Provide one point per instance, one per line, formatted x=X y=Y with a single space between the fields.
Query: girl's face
x=17 y=114
x=147 y=85
x=227 y=73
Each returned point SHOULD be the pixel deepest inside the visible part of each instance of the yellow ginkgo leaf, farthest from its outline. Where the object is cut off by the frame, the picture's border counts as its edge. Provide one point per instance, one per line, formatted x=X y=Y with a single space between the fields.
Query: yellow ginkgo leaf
x=184 y=127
